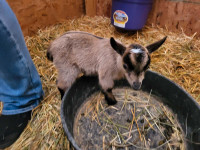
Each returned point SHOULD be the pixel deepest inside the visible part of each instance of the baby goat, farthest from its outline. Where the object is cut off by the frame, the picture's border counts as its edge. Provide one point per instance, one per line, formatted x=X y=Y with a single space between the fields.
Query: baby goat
x=80 y=52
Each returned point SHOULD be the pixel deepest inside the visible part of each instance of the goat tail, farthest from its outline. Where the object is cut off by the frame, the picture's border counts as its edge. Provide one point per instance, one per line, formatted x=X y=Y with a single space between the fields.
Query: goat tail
x=49 y=55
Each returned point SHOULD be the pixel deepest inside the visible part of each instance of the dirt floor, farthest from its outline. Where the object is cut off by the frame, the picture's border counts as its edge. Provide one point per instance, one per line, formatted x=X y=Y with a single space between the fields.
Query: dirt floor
x=178 y=59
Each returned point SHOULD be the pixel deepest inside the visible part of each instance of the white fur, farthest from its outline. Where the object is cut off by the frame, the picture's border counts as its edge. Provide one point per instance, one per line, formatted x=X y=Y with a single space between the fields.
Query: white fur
x=136 y=51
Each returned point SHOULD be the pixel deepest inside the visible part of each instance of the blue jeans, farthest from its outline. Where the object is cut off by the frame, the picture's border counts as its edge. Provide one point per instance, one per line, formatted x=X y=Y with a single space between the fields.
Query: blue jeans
x=20 y=85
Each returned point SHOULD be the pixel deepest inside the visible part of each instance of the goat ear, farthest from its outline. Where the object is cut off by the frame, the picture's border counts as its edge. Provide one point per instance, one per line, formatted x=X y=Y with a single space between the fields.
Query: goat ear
x=152 y=47
x=119 y=48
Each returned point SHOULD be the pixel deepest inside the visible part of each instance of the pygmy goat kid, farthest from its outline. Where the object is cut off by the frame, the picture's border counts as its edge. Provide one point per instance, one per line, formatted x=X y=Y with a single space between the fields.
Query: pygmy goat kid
x=80 y=52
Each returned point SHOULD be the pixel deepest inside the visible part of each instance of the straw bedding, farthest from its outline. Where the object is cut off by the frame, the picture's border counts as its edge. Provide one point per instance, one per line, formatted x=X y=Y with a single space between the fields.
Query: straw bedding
x=137 y=121
x=178 y=59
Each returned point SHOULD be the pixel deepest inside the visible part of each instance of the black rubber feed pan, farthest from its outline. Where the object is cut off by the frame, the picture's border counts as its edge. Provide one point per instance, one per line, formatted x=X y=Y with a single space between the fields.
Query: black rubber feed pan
x=178 y=100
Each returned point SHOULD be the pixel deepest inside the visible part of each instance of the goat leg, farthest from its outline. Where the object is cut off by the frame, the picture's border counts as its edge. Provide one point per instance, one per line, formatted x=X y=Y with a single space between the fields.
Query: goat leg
x=61 y=90
x=109 y=97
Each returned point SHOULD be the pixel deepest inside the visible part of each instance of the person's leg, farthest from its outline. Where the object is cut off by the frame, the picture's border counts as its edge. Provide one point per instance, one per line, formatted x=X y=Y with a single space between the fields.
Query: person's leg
x=20 y=88
x=20 y=85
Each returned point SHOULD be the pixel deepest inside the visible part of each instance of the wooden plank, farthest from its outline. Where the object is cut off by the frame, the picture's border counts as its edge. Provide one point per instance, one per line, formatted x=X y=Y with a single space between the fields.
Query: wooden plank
x=104 y=8
x=91 y=7
x=36 y=14
x=177 y=15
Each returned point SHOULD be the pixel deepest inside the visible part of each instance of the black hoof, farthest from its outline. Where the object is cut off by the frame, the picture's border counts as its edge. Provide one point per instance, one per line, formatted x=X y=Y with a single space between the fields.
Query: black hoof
x=62 y=92
x=110 y=101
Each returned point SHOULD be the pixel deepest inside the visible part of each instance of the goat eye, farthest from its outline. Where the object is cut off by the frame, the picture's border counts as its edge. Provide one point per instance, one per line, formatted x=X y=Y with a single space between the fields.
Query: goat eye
x=125 y=66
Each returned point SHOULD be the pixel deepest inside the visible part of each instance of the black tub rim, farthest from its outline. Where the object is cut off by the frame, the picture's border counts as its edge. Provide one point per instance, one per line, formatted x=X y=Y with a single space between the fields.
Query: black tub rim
x=70 y=136
x=66 y=130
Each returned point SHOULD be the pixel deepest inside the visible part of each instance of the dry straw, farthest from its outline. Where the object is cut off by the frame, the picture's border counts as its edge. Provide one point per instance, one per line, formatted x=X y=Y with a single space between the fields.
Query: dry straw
x=178 y=59
x=148 y=116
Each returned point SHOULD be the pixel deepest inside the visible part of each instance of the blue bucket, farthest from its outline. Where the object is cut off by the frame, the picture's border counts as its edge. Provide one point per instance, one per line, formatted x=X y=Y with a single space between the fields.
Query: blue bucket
x=130 y=14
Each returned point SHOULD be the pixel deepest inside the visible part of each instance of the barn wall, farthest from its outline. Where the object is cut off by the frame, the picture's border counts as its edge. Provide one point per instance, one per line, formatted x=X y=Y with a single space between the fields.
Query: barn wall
x=174 y=14
x=35 y=14
x=98 y=7
x=177 y=15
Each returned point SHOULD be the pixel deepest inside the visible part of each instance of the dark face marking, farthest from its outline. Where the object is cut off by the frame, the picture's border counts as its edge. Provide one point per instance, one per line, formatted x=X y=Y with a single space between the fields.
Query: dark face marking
x=147 y=64
x=139 y=57
x=137 y=72
x=127 y=61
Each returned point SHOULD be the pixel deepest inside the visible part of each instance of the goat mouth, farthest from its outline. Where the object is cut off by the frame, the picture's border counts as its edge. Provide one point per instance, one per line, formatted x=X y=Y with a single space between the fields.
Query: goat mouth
x=138 y=87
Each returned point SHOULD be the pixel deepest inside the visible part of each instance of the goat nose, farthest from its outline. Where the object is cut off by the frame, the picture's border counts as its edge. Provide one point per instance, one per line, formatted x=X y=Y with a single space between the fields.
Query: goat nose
x=136 y=85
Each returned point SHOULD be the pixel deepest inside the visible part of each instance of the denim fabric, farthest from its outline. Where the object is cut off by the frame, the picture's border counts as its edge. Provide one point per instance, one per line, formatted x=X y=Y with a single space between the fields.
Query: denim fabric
x=20 y=85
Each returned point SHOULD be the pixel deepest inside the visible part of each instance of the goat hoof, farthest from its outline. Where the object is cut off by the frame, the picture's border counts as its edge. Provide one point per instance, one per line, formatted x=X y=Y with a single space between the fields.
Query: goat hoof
x=110 y=101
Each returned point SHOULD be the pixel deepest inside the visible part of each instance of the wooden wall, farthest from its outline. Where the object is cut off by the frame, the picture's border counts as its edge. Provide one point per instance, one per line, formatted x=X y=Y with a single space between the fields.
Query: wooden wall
x=98 y=7
x=177 y=15
x=35 y=14
x=174 y=14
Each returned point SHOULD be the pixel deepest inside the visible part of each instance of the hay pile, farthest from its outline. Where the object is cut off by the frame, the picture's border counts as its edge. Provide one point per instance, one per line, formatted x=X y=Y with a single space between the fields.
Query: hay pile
x=178 y=59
